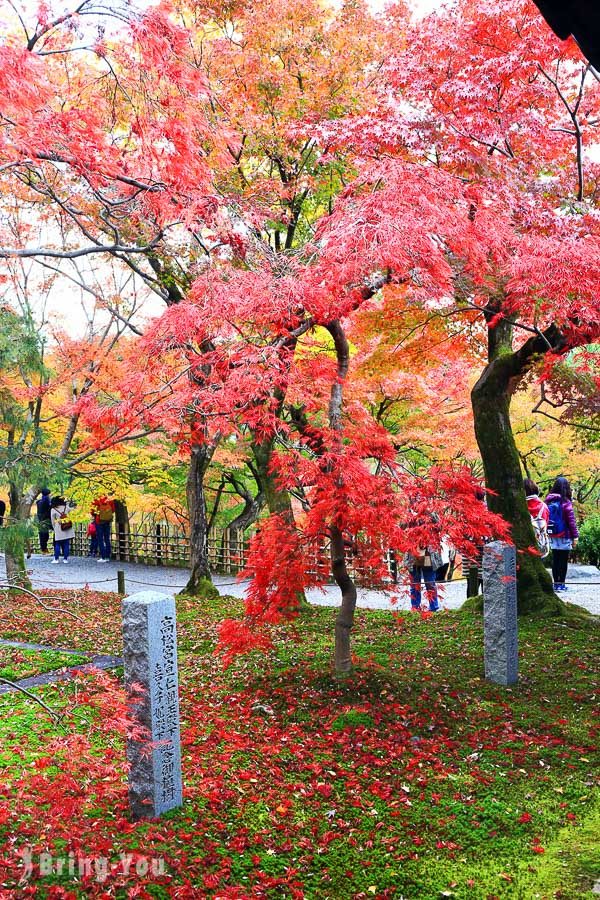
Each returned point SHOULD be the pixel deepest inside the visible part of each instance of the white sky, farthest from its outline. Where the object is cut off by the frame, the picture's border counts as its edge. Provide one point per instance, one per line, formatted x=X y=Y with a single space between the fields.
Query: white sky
x=65 y=304
x=421 y=7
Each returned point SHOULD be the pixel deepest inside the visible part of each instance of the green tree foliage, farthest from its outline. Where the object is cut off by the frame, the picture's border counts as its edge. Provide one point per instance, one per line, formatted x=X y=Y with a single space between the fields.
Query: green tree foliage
x=589 y=541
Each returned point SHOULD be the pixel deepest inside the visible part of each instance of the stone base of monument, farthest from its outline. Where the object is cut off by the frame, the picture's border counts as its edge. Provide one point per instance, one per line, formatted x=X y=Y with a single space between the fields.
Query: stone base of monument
x=151 y=682
x=500 y=613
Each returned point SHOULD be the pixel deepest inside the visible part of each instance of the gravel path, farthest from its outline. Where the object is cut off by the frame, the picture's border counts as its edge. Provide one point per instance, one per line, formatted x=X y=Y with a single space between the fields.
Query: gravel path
x=583 y=583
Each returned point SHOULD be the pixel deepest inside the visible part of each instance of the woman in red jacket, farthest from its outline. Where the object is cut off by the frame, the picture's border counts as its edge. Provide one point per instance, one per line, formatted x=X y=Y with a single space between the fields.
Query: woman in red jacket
x=540 y=516
x=537 y=508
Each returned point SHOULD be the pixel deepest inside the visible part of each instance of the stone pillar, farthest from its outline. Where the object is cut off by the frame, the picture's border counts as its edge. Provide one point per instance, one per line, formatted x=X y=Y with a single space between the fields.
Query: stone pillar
x=151 y=682
x=500 y=613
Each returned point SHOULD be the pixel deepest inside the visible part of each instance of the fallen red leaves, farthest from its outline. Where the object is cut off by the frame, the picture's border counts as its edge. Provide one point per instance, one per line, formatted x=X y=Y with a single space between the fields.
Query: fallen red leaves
x=286 y=770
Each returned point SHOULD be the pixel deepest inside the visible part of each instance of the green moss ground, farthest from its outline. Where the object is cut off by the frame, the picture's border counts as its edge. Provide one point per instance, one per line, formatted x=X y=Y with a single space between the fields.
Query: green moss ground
x=16 y=663
x=416 y=778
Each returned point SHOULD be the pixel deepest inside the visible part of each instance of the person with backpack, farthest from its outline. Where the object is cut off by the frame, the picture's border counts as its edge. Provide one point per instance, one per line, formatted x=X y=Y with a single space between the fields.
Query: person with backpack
x=104 y=510
x=540 y=516
x=43 y=519
x=62 y=527
x=562 y=529
x=422 y=565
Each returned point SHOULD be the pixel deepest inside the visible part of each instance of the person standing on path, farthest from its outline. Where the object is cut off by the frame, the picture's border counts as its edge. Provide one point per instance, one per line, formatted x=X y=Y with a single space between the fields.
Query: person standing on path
x=104 y=510
x=43 y=519
x=422 y=566
x=562 y=529
x=540 y=516
x=446 y=555
x=92 y=533
x=62 y=527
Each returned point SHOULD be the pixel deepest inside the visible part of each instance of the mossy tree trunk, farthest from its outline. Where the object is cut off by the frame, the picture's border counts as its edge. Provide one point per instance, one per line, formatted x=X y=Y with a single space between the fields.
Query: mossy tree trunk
x=491 y=397
x=15 y=536
x=276 y=499
x=200 y=580
x=249 y=514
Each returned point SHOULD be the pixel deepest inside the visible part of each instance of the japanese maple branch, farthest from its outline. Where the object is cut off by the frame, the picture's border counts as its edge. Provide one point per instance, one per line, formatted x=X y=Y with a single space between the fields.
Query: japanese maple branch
x=542 y=412
x=113 y=443
x=365 y=292
x=572 y=112
x=532 y=329
x=84 y=287
x=18 y=687
x=7 y=252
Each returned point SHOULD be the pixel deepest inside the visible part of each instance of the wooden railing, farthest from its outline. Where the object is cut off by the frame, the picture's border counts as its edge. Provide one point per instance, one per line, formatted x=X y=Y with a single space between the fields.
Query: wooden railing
x=162 y=544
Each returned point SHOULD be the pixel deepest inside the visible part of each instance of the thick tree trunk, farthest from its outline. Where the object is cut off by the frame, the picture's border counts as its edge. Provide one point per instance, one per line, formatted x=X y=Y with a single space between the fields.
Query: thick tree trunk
x=200 y=581
x=14 y=555
x=345 y=617
x=15 y=535
x=491 y=412
x=277 y=500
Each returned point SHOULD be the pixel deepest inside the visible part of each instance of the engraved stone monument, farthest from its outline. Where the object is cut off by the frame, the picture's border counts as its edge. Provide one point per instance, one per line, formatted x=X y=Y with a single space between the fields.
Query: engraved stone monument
x=500 y=613
x=151 y=682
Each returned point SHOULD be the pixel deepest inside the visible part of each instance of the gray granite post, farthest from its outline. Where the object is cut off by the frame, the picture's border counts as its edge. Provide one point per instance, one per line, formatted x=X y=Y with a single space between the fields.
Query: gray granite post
x=500 y=613
x=151 y=682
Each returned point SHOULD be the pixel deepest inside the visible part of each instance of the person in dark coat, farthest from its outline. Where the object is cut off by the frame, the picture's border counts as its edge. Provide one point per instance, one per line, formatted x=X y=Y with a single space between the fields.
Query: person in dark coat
x=43 y=519
x=103 y=509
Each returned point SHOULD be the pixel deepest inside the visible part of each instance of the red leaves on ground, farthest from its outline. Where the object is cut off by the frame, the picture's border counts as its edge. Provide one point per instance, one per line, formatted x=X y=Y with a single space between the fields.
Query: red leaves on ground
x=239 y=637
x=280 y=764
